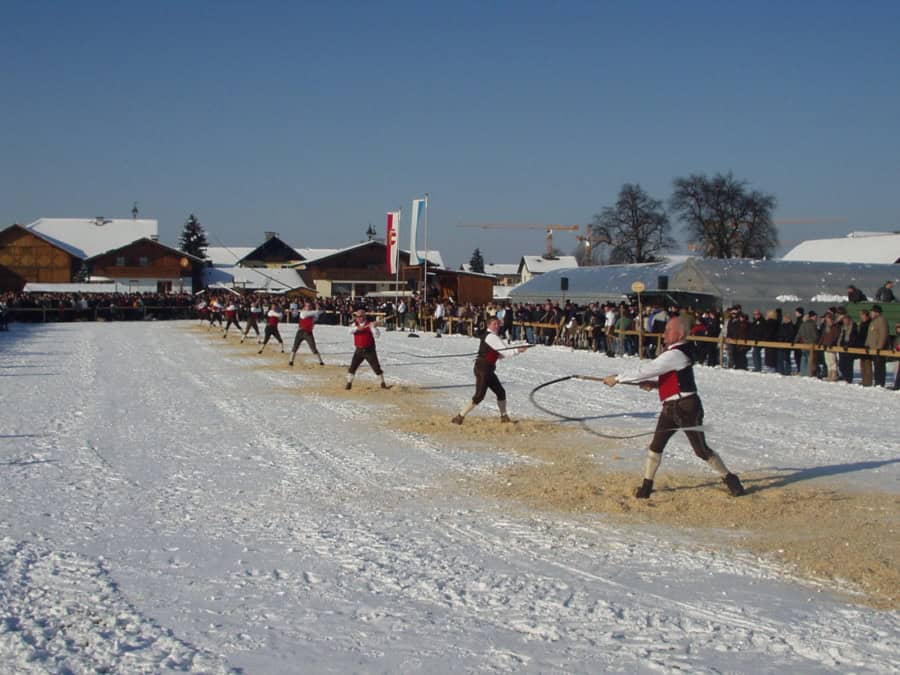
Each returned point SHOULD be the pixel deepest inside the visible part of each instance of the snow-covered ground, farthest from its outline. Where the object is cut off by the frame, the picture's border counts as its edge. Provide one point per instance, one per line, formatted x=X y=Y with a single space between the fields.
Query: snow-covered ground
x=170 y=501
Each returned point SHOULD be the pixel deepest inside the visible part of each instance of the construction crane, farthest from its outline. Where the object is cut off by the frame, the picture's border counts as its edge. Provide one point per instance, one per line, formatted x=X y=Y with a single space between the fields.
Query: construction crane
x=513 y=226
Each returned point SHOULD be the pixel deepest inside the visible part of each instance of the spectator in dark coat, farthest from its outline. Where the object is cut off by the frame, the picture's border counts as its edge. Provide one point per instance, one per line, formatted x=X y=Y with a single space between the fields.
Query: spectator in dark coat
x=865 y=362
x=886 y=292
x=757 y=333
x=849 y=337
x=786 y=333
x=855 y=295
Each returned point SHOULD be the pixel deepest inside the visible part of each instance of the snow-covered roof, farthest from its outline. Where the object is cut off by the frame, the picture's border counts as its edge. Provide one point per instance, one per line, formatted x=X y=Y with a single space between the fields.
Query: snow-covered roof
x=590 y=284
x=227 y=256
x=36 y=287
x=765 y=284
x=497 y=269
x=87 y=237
x=274 y=280
x=537 y=264
x=434 y=257
x=856 y=247
x=315 y=253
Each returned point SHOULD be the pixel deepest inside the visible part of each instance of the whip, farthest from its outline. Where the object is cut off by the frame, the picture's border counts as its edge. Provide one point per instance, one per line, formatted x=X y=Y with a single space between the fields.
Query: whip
x=583 y=420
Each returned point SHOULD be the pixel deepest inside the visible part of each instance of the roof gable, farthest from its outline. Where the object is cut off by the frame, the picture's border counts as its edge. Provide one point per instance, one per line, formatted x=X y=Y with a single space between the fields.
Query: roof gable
x=43 y=237
x=273 y=250
x=153 y=242
x=537 y=264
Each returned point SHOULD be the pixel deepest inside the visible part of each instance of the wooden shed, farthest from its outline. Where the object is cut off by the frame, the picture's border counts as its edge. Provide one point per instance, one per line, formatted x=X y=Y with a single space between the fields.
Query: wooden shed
x=150 y=266
x=27 y=256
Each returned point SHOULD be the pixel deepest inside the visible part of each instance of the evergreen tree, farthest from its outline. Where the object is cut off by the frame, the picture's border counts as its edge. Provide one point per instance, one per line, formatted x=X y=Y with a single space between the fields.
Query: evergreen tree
x=476 y=262
x=193 y=238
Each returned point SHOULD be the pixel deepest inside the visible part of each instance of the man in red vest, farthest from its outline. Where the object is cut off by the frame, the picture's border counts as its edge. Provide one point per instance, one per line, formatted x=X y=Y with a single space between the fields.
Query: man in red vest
x=672 y=374
x=489 y=352
x=364 y=333
x=308 y=317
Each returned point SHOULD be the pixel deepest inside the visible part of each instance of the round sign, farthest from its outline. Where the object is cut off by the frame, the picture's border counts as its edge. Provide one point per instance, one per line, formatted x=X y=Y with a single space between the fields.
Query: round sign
x=638 y=287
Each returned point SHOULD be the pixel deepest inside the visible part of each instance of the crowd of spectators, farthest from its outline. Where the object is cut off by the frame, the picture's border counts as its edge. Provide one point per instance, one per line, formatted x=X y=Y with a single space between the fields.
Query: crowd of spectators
x=93 y=306
x=611 y=328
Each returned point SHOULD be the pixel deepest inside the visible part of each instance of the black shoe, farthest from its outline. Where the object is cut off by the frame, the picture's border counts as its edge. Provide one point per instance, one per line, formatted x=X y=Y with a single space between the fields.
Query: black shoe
x=384 y=385
x=291 y=362
x=643 y=492
x=734 y=485
x=349 y=385
x=458 y=419
x=321 y=363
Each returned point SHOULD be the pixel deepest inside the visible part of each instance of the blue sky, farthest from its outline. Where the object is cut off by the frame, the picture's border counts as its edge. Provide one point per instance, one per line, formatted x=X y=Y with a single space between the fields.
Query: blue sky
x=313 y=119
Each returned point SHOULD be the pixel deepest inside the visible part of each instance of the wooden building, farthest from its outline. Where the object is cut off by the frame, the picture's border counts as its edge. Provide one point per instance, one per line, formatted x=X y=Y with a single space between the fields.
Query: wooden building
x=146 y=265
x=361 y=270
x=354 y=271
x=28 y=256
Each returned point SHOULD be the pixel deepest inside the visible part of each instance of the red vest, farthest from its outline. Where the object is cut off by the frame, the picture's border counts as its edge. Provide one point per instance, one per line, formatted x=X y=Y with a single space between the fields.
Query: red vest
x=363 y=338
x=273 y=320
x=307 y=323
x=488 y=353
x=679 y=381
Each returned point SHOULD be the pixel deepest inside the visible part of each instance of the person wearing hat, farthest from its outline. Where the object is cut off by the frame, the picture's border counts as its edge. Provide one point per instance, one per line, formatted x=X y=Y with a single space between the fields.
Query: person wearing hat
x=886 y=292
x=877 y=339
x=672 y=375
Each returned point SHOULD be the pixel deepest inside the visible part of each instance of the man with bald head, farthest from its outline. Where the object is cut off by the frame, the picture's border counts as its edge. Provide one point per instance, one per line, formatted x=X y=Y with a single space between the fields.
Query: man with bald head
x=672 y=375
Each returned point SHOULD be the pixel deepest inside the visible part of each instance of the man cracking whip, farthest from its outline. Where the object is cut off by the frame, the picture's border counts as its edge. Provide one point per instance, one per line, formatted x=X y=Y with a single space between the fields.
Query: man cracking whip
x=673 y=372
x=489 y=352
x=308 y=318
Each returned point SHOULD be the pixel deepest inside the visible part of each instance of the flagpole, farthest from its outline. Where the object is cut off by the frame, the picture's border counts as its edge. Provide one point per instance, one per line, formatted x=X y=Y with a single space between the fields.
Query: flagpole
x=397 y=271
x=425 y=266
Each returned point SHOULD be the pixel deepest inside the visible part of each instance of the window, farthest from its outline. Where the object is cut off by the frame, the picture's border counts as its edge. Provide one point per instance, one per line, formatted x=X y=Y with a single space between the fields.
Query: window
x=142 y=261
x=120 y=261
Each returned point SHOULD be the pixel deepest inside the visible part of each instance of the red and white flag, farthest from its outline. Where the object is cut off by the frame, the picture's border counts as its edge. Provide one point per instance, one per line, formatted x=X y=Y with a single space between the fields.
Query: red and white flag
x=393 y=232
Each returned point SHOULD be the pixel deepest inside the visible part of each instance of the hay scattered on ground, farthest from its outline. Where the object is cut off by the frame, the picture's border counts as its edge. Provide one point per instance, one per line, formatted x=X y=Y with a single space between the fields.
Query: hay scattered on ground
x=820 y=528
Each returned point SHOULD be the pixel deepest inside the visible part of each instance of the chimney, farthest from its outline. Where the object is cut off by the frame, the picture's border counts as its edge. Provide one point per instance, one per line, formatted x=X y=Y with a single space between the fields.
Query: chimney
x=269 y=235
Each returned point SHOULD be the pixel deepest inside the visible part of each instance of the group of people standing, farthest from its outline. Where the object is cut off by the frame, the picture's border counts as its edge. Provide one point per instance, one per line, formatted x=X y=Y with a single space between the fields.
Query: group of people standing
x=836 y=331
x=671 y=373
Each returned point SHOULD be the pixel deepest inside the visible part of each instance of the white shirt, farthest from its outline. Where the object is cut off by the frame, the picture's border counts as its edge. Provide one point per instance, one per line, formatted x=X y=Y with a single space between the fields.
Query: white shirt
x=669 y=360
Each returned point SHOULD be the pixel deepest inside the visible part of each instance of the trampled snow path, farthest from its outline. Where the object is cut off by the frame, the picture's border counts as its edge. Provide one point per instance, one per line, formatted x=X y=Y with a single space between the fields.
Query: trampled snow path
x=166 y=507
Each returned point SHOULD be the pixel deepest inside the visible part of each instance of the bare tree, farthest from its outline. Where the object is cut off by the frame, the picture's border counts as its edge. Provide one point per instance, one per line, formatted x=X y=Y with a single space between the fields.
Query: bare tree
x=636 y=229
x=724 y=219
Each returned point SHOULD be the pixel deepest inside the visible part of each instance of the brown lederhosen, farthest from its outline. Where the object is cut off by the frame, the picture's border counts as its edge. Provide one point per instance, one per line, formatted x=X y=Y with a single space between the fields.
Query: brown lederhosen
x=486 y=378
x=684 y=412
x=271 y=331
x=301 y=337
x=369 y=355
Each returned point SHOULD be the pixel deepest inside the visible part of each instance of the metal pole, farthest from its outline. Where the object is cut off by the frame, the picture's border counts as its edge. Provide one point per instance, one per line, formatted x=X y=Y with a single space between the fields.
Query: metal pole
x=425 y=266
